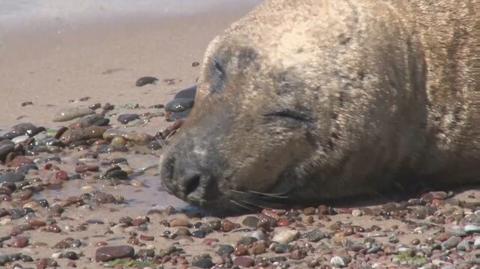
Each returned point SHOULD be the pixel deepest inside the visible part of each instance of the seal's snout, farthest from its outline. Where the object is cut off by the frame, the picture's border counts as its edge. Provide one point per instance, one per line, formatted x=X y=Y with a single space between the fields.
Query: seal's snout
x=183 y=178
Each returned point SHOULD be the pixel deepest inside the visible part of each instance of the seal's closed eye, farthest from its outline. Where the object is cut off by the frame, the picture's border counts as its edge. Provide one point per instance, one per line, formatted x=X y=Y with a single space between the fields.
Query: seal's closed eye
x=218 y=76
x=292 y=114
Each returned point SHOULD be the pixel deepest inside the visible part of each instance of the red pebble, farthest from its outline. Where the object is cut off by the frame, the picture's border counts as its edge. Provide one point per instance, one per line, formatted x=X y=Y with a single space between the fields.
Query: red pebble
x=61 y=175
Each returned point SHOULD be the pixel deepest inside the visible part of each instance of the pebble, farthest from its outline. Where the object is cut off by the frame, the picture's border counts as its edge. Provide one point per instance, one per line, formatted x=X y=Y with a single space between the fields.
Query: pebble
x=19 y=242
x=118 y=142
x=20 y=139
x=179 y=222
x=105 y=254
x=91 y=120
x=74 y=135
x=315 y=235
x=188 y=93
x=12 y=177
x=71 y=255
x=138 y=138
x=203 y=261
x=338 y=261
x=126 y=118
x=471 y=228
x=225 y=250
x=451 y=242
x=285 y=236
x=244 y=262
x=6 y=146
x=179 y=105
x=23 y=129
x=476 y=243
x=145 y=80
x=250 y=221
x=68 y=114
x=116 y=172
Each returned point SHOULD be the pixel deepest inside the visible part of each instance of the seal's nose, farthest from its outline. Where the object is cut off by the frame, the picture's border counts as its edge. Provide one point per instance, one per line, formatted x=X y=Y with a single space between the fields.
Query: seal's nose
x=184 y=179
x=197 y=188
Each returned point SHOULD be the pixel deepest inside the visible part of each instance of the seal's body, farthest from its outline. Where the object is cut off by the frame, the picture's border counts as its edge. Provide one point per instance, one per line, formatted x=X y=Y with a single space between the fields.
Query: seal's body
x=311 y=100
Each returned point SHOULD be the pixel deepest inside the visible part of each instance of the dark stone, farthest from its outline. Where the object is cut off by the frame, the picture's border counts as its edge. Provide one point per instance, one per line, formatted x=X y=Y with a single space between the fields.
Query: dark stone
x=145 y=80
x=93 y=119
x=105 y=254
x=17 y=213
x=71 y=255
x=225 y=250
x=179 y=105
x=202 y=261
x=12 y=177
x=315 y=235
x=251 y=221
x=247 y=240
x=188 y=93
x=126 y=118
x=199 y=234
x=21 y=129
x=281 y=248
x=6 y=146
x=116 y=173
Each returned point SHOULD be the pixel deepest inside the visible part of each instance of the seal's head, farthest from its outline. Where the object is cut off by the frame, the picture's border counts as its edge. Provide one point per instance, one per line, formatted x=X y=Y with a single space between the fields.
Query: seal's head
x=285 y=102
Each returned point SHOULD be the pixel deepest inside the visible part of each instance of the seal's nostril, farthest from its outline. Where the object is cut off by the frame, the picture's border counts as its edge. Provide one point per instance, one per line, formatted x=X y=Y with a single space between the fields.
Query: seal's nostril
x=191 y=184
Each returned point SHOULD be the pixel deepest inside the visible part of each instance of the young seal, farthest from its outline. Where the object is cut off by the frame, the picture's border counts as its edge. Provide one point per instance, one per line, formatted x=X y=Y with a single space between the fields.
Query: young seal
x=310 y=100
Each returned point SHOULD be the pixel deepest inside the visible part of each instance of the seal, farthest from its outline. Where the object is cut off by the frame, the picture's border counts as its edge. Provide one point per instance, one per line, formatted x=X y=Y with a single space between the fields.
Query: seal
x=308 y=101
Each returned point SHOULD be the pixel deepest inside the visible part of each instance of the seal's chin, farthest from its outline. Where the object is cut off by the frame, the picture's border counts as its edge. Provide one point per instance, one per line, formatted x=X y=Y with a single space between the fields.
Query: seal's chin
x=202 y=187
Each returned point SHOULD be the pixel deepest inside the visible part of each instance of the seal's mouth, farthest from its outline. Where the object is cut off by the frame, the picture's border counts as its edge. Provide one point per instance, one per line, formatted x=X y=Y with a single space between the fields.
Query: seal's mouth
x=200 y=188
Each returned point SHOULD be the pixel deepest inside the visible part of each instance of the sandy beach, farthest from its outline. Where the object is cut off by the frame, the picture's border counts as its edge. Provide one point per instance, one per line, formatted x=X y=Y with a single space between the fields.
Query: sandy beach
x=58 y=59
x=80 y=144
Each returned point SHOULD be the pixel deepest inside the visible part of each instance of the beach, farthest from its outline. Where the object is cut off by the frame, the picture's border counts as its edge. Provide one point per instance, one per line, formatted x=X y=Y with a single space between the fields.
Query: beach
x=88 y=104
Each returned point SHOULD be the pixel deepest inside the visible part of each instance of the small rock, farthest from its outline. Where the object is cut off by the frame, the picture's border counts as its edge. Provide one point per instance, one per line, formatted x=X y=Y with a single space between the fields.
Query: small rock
x=357 y=213
x=338 y=261
x=179 y=222
x=126 y=118
x=145 y=80
x=202 y=261
x=179 y=105
x=6 y=146
x=244 y=261
x=71 y=255
x=118 y=142
x=471 y=228
x=20 y=242
x=250 y=221
x=72 y=113
x=225 y=250
x=451 y=242
x=105 y=254
x=116 y=173
x=285 y=236
x=315 y=235
x=74 y=135
x=476 y=243
x=12 y=177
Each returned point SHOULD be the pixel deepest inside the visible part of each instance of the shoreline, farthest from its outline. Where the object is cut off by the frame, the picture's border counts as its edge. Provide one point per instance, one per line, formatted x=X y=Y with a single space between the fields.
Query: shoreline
x=102 y=61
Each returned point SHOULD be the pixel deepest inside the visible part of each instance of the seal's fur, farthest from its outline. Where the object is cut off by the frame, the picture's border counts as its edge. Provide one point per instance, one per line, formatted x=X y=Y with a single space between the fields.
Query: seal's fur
x=309 y=100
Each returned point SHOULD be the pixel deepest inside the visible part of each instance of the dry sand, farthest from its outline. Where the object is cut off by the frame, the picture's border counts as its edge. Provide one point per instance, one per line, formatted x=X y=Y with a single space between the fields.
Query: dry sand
x=52 y=64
